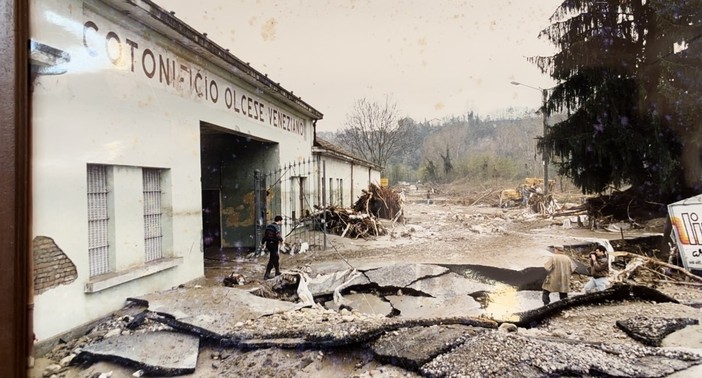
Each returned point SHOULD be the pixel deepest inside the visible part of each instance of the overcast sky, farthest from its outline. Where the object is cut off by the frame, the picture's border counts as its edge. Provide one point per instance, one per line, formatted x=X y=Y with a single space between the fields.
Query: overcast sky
x=434 y=58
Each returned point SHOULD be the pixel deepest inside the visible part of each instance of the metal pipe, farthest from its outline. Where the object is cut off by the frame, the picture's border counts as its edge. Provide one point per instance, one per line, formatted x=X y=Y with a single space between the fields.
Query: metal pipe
x=546 y=154
x=546 y=149
x=324 y=203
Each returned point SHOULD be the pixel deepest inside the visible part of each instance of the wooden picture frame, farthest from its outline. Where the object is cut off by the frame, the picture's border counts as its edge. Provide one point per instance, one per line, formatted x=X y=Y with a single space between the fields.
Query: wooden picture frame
x=15 y=309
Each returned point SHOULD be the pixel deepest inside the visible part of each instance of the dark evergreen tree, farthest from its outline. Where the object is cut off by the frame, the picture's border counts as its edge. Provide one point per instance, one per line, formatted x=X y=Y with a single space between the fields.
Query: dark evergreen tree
x=672 y=79
x=610 y=81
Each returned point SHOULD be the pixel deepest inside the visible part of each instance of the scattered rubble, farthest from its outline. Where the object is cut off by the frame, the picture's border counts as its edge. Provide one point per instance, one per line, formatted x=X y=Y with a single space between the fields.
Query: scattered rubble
x=406 y=319
x=499 y=354
x=235 y=319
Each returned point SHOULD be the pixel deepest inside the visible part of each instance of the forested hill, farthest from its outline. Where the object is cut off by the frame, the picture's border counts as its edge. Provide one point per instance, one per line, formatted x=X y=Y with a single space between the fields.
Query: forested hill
x=466 y=147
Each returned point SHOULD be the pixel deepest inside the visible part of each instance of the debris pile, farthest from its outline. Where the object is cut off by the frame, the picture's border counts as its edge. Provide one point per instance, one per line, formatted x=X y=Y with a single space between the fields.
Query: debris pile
x=629 y=206
x=531 y=195
x=631 y=268
x=347 y=223
x=639 y=268
x=381 y=202
x=362 y=220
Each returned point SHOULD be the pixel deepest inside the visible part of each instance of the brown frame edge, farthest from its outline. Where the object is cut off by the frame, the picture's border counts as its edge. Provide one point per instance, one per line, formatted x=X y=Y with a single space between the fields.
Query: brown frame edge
x=15 y=280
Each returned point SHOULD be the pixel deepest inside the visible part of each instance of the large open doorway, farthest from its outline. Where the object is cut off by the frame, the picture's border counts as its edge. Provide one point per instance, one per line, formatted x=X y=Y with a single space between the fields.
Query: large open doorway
x=229 y=161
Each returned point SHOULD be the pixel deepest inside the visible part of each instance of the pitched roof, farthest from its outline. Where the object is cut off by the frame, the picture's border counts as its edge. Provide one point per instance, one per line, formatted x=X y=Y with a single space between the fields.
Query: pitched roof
x=335 y=150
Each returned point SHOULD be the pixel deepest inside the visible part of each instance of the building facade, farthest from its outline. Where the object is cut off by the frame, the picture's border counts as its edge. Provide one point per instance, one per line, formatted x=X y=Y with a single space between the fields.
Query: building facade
x=344 y=175
x=146 y=139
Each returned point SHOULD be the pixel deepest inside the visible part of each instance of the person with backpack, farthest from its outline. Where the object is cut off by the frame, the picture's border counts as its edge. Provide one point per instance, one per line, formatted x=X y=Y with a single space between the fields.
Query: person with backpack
x=271 y=240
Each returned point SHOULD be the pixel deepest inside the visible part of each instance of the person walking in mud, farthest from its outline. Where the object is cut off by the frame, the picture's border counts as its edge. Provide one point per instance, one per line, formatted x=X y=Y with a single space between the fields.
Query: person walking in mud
x=271 y=240
x=599 y=270
x=559 y=267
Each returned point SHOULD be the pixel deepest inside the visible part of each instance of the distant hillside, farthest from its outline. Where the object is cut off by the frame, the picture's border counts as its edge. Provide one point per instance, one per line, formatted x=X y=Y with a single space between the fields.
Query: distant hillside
x=468 y=147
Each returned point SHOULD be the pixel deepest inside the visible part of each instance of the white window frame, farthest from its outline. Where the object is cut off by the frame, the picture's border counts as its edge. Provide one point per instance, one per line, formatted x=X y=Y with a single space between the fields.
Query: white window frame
x=134 y=206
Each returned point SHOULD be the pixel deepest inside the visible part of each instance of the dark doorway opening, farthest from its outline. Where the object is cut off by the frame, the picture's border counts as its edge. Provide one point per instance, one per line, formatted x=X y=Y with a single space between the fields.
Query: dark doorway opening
x=229 y=162
x=211 y=219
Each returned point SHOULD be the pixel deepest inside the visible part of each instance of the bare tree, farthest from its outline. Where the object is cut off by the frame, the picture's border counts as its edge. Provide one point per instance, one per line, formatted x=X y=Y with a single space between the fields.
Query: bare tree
x=448 y=166
x=373 y=131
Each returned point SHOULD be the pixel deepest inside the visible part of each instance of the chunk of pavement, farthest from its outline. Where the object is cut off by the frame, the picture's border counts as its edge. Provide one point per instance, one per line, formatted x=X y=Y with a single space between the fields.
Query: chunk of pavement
x=413 y=347
x=403 y=275
x=501 y=354
x=325 y=284
x=216 y=309
x=365 y=303
x=449 y=285
x=162 y=353
x=426 y=307
x=652 y=330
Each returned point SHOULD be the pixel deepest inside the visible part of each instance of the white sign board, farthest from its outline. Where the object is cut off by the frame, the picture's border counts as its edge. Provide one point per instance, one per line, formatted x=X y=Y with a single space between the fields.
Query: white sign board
x=686 y=219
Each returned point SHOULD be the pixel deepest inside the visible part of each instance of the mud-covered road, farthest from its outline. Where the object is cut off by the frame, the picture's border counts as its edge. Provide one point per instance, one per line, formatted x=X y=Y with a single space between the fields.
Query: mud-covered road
x=500 y=244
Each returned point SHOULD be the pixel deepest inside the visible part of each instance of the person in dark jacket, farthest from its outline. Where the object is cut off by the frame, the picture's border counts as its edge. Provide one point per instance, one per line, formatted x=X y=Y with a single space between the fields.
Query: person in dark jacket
x=272 y=237
x=599 y=270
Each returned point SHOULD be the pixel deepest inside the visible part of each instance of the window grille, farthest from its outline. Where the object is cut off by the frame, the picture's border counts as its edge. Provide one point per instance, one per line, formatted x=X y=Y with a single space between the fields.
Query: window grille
x=153 y=234
x=98 y=221
x=331 y=191
x=341 y=192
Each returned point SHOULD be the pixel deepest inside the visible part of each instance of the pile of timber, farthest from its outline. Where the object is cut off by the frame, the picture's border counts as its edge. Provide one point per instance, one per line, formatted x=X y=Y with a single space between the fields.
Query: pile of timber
x=629 y=205
x=381 y=202
x=362 y=220
x=348 y=223
x=621 y=206
x=543 y=204
x=639 y=269
x=644 y=269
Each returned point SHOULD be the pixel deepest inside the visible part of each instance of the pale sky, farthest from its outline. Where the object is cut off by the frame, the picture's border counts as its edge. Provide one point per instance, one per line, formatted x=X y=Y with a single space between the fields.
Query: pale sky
x=434 y=58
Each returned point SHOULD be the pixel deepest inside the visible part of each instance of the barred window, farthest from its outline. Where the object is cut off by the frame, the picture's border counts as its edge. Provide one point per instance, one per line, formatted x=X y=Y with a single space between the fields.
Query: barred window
x=153 y=230
x=340 y=185
x=331 y=192
x=98 y=221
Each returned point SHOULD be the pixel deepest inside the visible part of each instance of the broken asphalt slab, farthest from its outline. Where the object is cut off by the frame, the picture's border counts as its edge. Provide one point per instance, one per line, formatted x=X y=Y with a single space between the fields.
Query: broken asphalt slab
x=413 y=347
x=161 y=353
x=447 y=285
x=499 y=354
x=427 y=307
x=403 y=275
x=325 y=284
x=366 y=303
x=434 y=345
x=622 y=292
x=236 y=317
x=218 y=310
x=652 y=330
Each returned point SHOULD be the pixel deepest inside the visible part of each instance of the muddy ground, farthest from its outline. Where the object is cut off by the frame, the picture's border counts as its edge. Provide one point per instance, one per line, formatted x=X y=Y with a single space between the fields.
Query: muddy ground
x=447 y=231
